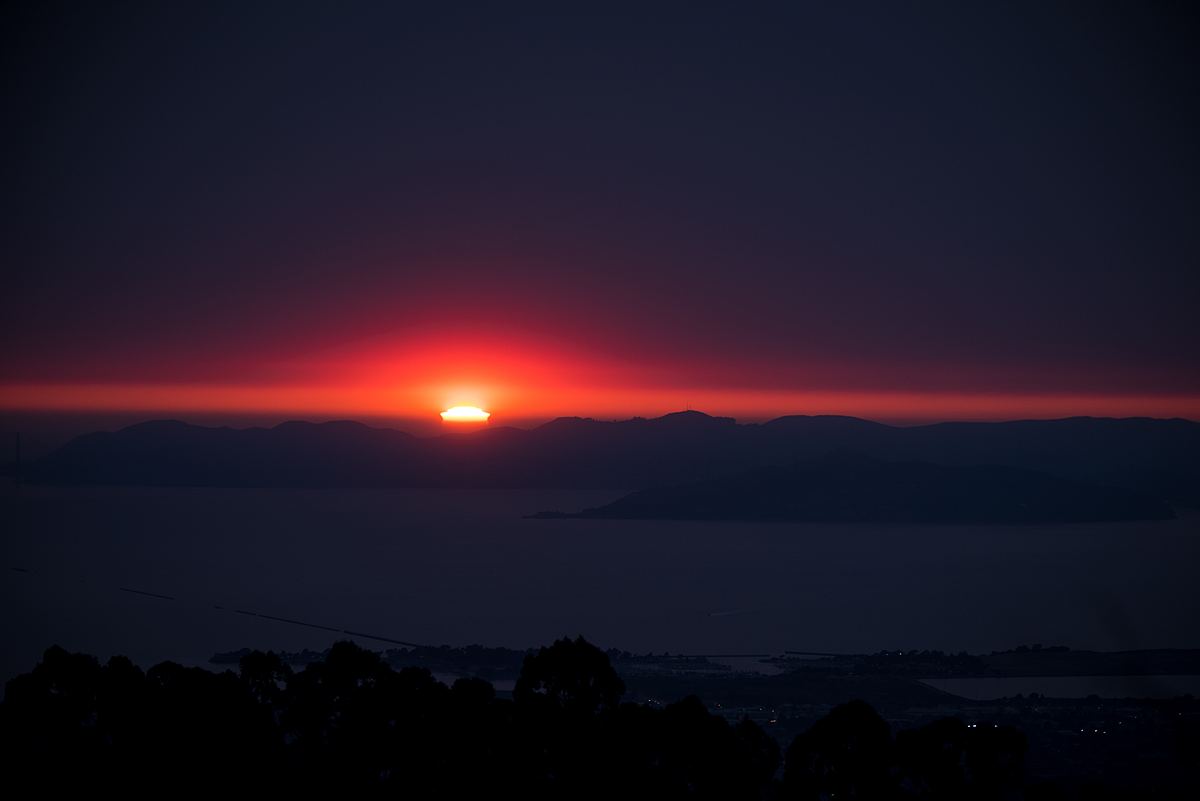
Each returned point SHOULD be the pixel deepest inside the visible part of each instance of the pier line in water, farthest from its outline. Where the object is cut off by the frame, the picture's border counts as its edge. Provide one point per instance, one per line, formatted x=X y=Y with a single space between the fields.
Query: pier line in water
x=377 y=637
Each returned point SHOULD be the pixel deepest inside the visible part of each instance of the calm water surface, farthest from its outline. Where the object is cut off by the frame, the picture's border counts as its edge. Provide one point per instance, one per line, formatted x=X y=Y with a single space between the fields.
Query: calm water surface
x=462 y=567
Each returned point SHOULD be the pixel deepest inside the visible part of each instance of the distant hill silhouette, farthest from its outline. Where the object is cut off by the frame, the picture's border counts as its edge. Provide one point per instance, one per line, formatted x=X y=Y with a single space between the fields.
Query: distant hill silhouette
x=1160 y=457
x=860 y=489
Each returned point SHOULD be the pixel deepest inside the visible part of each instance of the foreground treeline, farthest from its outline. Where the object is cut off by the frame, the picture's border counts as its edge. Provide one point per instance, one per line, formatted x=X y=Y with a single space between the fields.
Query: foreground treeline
x=351 y=724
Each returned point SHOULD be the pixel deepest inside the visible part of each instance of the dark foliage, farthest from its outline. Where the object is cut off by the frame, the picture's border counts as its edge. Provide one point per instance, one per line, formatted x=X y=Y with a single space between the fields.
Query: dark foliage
x=351 y=724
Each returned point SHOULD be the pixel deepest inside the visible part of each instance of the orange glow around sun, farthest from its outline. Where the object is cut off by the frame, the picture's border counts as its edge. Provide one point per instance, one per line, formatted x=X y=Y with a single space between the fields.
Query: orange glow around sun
x=529 y=380
x=538 y=398
x=465 y=414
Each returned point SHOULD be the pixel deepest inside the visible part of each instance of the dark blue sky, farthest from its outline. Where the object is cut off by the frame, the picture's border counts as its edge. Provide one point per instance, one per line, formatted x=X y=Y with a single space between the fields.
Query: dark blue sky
x=921 y=198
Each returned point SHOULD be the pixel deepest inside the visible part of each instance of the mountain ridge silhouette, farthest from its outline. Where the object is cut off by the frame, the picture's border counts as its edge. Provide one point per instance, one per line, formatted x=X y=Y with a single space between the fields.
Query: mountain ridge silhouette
x=1157 y=456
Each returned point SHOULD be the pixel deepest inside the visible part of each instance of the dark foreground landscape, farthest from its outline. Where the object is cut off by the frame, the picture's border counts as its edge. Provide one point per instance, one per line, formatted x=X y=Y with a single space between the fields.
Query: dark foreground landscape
x=347 y=722
x=780 y=538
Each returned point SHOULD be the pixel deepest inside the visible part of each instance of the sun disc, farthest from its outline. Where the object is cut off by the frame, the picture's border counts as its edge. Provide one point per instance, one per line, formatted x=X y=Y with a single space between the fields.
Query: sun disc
x=465 y=414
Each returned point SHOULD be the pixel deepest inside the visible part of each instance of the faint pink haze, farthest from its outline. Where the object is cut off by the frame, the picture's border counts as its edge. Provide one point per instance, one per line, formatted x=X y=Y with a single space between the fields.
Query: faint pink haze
x=523 y=376
x=532 y=401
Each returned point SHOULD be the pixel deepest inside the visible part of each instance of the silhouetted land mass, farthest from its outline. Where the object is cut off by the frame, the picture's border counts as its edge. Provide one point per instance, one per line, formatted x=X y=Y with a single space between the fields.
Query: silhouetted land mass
x=1158 y=457
x=850 y=489
x=1034 y=660
x=889 y=680
x=350 y=724
x=1025 y=660
x=1060 y=661
x=467 y=661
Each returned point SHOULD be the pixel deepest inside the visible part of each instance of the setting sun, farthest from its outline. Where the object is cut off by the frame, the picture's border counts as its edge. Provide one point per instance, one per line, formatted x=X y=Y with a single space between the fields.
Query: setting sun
x=465 y=414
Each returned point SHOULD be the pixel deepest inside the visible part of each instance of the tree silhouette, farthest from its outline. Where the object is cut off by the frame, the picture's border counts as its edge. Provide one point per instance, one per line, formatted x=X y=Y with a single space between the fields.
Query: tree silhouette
x=265 y=675
x=572 y=676
x=844 y=755
x=351 y=725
